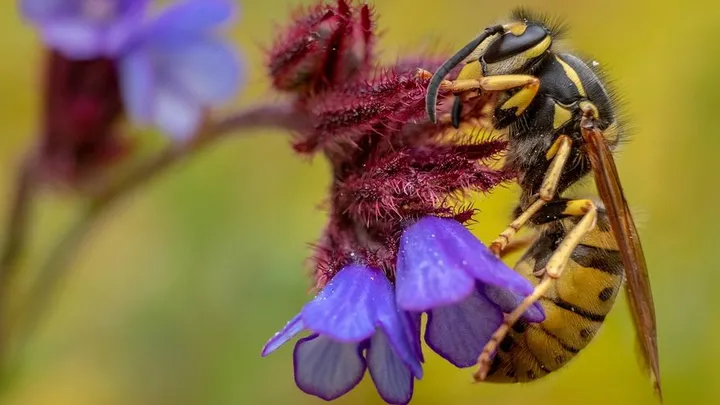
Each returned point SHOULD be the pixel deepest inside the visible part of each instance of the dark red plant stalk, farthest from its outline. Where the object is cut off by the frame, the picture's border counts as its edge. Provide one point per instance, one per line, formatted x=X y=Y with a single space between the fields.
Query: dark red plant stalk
x=390 y=165
x=81 y=111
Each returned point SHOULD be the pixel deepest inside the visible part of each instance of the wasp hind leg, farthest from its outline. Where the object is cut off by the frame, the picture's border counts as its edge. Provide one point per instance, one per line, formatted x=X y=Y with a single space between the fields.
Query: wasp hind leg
x=559 y=152
x=552 y=271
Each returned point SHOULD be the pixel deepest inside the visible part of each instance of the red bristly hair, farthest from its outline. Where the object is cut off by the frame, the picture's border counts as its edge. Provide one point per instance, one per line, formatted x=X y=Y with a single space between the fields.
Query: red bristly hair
x=390 y=165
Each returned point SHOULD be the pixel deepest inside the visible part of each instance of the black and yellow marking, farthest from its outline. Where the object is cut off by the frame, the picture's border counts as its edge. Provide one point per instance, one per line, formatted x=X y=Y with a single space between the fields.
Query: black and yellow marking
x=575 y=267
x=544 y=100
x=510 y=367
x=572 y=75
x=524 y=39
x=471 y=78
x=575 y=307
x=561 y=116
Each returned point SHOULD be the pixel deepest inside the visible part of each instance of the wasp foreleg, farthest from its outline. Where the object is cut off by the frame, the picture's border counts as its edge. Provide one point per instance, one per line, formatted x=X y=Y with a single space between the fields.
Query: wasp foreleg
x=471 y=78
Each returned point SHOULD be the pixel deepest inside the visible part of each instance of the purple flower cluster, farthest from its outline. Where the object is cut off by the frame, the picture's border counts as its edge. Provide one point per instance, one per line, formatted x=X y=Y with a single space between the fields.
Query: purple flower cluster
x=114 y=58
x=171 y=66
x=355 y=325
x=395 y=245
x=361 y=321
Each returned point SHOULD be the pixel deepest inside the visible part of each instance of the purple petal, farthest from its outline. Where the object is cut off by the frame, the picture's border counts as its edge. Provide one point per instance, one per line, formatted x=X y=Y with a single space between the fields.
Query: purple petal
x=393 y=379
x=490 y=270
x=176 y=113
x=346 y=309
x=137 y=81
x=67 y=25
x=39 y=10
x=132 y=7
x=508 y=301
x=459 y=332
x=401 y=335
x=292 y=328
x=326 y=368
x=475 y=258
x=190 y=18
x=73 y=37
x=44 y=10
x=413 y=322
x=428 y=274
x=466 y=252
x=206 y=69
x=118 y=36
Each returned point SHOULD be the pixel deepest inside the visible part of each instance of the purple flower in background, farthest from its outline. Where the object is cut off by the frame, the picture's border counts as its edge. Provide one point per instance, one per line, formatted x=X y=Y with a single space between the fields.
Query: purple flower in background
x=444 y=270
x=84 y=29
x=354 y=325
x=173 y=67
x=109 y=58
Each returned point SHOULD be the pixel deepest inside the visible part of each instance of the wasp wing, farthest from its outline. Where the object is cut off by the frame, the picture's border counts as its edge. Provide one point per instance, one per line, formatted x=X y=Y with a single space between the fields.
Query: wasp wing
x=623 y=227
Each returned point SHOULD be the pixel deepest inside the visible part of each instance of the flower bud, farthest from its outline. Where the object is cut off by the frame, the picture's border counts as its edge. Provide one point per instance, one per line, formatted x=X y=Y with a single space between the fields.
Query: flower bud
x=323 y=46
x=82 y=109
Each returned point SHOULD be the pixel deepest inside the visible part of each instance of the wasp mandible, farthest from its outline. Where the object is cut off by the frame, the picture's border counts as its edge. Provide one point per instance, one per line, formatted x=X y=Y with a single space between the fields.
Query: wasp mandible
x=562 y=123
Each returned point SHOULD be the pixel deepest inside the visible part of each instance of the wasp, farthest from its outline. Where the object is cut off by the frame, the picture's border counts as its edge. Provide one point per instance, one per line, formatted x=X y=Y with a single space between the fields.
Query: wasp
x=562 y=123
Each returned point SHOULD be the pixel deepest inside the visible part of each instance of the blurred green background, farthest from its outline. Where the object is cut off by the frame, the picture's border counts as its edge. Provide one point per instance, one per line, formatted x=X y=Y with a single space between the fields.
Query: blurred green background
x=178 y=288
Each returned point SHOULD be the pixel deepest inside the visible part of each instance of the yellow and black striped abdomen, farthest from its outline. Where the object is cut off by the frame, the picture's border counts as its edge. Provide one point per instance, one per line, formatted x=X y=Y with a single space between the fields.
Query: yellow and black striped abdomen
x=575 y=307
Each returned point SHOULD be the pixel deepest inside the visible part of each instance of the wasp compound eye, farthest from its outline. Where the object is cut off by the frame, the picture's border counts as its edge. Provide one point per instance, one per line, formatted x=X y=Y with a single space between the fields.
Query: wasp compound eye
x=509 y=44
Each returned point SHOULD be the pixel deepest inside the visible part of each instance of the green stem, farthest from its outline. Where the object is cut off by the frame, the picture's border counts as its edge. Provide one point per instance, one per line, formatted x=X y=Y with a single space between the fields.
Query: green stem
x=18 y=218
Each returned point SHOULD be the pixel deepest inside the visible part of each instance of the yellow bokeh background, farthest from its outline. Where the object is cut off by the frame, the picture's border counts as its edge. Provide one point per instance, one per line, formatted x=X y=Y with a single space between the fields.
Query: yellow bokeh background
x=178 y=287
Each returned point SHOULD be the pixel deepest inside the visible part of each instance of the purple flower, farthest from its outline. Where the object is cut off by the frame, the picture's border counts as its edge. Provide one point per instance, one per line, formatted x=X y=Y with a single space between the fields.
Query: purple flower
x=172 y=67
x=84 y=29
x=444 y=270
x=354 y=325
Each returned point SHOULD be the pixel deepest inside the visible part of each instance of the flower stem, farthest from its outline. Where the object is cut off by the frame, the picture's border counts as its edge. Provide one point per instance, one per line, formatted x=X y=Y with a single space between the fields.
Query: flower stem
x=18 y=219
x=57 y=263
x=280 y=116
x=14 y=243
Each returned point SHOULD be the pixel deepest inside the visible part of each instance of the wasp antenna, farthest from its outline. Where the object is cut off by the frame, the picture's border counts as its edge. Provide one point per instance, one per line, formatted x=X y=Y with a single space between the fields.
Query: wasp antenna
x=437 y=78
x=456 y=112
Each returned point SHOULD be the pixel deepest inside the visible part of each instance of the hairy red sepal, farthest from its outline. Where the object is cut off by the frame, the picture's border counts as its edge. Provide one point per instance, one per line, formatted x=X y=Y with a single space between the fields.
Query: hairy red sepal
x=384 y=103
x=324 y=45
x=390 y=166
x=415 y=181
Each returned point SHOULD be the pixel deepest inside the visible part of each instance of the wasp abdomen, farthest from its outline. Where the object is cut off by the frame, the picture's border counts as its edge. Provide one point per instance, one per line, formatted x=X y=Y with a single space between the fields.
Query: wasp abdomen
x=575 y=308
